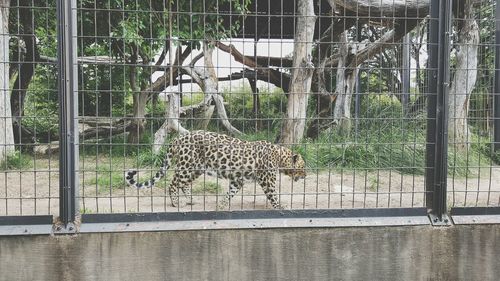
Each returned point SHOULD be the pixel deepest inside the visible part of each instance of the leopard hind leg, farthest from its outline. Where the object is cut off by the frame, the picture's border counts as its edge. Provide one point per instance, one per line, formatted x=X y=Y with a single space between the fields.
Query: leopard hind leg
x=234 y=186
x=186 y=187
x=182 y=180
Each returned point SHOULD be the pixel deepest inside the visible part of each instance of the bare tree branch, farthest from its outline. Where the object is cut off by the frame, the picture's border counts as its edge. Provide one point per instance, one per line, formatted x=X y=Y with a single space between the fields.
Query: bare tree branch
x=196 y=59
x=370 y=50
x=252 y=61
x=274 y=76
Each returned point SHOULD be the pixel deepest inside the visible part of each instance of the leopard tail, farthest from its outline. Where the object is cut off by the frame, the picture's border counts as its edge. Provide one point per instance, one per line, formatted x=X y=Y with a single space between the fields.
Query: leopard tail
x=131 y=174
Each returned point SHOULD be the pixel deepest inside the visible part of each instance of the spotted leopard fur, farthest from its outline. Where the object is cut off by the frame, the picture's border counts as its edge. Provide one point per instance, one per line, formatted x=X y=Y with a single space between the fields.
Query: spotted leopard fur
x=227 y=157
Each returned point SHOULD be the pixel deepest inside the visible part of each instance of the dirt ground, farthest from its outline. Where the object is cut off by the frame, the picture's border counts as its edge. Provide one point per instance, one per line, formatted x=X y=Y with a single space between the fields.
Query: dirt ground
x=35 y=191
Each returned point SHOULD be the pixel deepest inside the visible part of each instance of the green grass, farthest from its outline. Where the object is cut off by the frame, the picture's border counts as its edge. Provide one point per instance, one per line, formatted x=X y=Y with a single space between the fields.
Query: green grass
x=192 y=98
x=384 y=141
x=105 y=178
x=16 y=161
x=86 y=211
x=405 y=154
x=200 y=187
x=373 y=183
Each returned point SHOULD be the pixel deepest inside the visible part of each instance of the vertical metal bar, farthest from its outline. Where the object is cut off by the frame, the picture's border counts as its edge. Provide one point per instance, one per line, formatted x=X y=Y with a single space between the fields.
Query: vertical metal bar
x=441 y=174
x=432 y=65
x=357 y=95
x=357 y=103
x=496 y=94
x=68 y=109
x=405 y=73
x=440 y=165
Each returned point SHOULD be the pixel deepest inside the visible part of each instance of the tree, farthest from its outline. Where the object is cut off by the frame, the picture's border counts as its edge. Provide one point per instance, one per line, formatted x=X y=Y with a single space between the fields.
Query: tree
x=6 y=132
x=344 y=89
x=300 y=83
x=465 y=76
x=26 y=68
x=344 y=58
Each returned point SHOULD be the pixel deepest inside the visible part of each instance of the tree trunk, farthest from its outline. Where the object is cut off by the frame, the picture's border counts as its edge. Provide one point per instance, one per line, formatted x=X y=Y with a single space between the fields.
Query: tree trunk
x=206 y=78
x=325 y=97
x=171 y=124
x=211 y=88
x=292 y=129
x=27 y=68
x=464 y=79
x=255 y=104
x=6 y=132
x=172 y=115
x=139 y=102
x=346 y=81
x=137 y=125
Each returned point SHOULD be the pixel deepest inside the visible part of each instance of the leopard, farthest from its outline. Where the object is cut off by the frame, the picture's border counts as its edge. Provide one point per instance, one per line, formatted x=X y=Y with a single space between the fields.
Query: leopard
x=236 y=160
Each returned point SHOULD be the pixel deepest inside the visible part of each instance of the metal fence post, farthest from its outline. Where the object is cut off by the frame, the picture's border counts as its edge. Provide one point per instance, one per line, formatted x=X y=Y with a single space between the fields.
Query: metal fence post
x=432 y=64
x=496 y=96
x=68 y=110
x=437 y=111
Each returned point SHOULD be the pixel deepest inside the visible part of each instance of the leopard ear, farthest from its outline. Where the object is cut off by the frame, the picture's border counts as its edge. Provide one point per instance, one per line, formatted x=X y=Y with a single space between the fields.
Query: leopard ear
x=295 y=158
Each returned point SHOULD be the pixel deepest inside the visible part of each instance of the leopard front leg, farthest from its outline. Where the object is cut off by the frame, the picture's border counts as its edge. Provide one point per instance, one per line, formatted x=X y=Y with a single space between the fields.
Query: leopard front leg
x=173 y=191
x=267 y=181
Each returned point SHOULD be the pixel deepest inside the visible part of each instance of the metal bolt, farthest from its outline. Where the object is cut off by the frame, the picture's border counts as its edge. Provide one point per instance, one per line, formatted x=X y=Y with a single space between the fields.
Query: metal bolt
x=58 y=228
x=25 y=231
x=446 y=220
x=435 y=220
x=70 y=228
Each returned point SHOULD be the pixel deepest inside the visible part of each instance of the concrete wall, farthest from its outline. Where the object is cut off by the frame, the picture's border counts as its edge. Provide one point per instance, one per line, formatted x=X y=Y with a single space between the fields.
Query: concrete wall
x=369 y=253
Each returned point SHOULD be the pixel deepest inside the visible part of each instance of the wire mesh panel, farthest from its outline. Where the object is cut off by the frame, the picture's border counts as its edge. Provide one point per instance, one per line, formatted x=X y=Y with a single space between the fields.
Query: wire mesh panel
x=230 y=94
x=251 y=104
x=28 y=108
x=474 y=164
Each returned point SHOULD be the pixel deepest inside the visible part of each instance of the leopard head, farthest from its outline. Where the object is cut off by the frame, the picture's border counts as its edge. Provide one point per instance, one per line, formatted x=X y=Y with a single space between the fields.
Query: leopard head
x=293 y=164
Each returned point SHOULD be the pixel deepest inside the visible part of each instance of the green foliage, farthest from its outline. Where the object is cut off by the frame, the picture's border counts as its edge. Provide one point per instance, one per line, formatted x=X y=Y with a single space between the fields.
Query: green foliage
x=135 y=32
x=240 y=107
x=192 y=98
x=41 y=106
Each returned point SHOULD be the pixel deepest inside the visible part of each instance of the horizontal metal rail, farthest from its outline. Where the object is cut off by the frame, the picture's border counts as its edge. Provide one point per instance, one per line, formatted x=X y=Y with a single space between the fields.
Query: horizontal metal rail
x=133 y=222
x=25 y=225
x=475 y=215
x=252 y=219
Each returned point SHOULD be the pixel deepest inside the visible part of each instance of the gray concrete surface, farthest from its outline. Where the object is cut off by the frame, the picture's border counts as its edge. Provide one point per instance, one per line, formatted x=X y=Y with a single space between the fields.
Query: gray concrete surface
x=368 y=253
